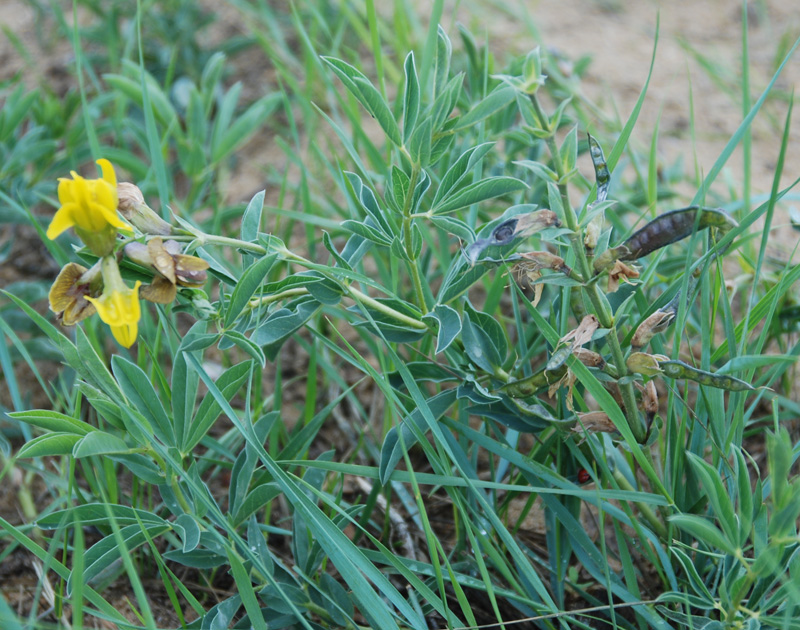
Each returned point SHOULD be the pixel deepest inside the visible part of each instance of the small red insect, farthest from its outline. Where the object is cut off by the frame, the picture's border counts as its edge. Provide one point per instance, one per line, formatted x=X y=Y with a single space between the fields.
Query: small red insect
x=584 y=476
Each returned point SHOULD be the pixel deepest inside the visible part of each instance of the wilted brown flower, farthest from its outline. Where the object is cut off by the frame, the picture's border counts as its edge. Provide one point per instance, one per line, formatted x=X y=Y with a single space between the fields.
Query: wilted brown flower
x=620 y=272
x=69 y=291
x=173 y=267
x=532 y=264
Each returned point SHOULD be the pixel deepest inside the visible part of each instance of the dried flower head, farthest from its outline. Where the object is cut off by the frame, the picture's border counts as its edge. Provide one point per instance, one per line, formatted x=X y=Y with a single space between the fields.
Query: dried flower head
x=69 y=292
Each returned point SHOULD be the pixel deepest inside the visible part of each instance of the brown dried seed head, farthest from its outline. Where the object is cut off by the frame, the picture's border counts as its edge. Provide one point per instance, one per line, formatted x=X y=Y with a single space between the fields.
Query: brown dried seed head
x=650 y=398
x=595 y=422
x=589 y=358
x=656 y=323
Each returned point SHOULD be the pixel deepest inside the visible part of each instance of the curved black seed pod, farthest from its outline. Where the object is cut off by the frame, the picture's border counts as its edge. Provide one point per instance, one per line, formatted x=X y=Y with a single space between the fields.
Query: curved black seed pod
x=664 y=230
x=601 y=174
x=679 y=369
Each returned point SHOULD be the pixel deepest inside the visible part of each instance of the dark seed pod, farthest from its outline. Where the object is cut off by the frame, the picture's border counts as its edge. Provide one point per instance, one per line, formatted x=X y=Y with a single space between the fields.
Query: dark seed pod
x=664 y=230
x=679 y=369
x=601 y=174
x=503 y=234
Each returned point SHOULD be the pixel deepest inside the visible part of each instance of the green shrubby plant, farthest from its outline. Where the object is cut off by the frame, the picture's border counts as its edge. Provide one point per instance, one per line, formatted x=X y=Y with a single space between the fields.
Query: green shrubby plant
x=487 y=291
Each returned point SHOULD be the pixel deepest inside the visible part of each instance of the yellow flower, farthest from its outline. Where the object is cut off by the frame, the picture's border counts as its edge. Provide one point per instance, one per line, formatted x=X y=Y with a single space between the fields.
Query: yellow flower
x=119 y=305
x=90 y=206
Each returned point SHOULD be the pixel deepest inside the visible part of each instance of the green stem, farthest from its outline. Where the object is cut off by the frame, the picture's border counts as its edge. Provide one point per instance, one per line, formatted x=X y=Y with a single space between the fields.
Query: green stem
x=408 y=240
x=600 y=305
x=655 y=523
x=354 y=293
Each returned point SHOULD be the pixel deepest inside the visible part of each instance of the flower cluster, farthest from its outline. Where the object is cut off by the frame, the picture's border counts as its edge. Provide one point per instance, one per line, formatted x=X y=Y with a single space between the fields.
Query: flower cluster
x=92 y=207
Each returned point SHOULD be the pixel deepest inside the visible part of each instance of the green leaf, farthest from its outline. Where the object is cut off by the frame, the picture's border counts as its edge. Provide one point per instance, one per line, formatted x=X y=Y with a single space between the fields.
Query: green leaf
x=228 y=384
x=245 y=589
x=366 y=94
x=104 y=553
x=403 y=436
x=256 y=499
x=143 y=398
x=717 y=495
x=247 y=285
x=99 y=514
x=569 y=150
x=704 y=531
x=419 y=146
x=456 y=227
x=745 y=495
x=99 y=443
x=187 y=528
x=461 y=168
x=479 y=191
x=444 y=51
x=185 y=383
x=251 y=221
x=365 y=198
x=495 y=101
x=484 y=340
x=52 y=421
x=51 y=444
x=449 y=325
x=226 y=141
x=249 y=346
x=366 y=231
x=411 y=97
x=283 y=323
x=400 y=185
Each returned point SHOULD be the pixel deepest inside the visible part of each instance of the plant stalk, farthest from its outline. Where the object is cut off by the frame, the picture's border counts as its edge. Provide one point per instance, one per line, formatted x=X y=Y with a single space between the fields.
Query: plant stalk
x=408 y=240
x=602 y=311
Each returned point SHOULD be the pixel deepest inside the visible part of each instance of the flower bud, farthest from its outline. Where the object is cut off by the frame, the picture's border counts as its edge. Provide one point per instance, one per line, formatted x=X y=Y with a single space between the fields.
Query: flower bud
x=133 y=207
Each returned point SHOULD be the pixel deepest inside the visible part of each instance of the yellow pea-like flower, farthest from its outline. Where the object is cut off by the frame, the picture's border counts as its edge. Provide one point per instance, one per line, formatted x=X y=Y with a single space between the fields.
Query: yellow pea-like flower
x=90 y=206
x=118 y=306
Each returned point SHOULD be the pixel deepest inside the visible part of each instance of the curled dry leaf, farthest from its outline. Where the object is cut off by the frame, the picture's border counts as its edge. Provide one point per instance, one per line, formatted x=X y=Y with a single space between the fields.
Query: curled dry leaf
x=583 y=333
x=568 y=381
